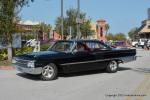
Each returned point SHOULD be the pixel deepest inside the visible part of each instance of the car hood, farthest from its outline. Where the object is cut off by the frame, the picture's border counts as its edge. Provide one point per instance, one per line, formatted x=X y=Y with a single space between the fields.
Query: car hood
x=41 y=54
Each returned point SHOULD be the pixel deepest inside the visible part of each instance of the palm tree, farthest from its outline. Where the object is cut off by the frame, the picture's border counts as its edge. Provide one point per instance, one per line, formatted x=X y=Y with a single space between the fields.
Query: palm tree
x=107 y=27
x=70 y=20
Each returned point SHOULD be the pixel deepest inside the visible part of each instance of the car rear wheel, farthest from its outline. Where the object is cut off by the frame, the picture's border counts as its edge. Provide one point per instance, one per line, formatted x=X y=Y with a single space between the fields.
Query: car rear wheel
x=49 y=72
x=112 y=66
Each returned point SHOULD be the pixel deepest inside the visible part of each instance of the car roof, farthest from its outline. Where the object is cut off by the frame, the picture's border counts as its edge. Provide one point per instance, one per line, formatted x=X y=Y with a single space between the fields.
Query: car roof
x=80 y=40
x=85 y=41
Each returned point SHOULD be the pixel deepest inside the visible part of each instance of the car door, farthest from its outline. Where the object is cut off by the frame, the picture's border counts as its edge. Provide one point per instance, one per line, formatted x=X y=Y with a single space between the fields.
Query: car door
x=100 y=51
x=78 y=61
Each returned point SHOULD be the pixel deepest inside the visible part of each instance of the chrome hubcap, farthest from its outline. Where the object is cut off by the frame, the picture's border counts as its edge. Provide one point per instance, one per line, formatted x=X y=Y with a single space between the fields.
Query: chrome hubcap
x=113 y=65
x=48 y=71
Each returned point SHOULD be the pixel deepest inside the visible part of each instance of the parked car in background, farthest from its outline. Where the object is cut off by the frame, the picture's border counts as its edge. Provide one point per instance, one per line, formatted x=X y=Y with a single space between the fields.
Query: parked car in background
x=139 y=43
x=135 y=44
x=73 y=56
x=117 y=44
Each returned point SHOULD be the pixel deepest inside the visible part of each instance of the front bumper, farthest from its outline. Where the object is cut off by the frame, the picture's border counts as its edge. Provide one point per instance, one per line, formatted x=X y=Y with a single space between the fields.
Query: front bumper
x=34 y=71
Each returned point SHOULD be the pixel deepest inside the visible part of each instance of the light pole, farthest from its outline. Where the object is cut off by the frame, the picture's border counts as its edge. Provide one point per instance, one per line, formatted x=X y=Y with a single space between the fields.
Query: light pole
x=62 y=21
x=78 y=20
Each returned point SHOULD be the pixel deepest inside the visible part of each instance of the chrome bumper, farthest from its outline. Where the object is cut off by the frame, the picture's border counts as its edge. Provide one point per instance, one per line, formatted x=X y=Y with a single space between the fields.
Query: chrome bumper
x=128 y=59
x=34 y=71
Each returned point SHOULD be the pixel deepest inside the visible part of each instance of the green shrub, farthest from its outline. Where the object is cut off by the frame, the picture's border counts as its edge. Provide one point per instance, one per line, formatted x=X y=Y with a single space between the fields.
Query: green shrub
x=19 y=51
x=44 y=47
x=23 y=50
x=3 y=54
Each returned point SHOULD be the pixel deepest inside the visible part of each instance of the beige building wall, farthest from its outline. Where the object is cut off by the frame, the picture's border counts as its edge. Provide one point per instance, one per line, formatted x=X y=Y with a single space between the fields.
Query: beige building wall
x=99 y=28
x=93 y=27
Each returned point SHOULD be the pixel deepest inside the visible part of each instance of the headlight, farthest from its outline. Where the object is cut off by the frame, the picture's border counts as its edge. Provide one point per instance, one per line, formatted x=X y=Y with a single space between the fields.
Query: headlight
x=14 y=61
x=30 y=64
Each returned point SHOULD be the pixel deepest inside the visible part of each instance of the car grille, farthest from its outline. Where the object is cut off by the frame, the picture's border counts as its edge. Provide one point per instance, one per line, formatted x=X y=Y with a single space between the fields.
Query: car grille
x=21 y=63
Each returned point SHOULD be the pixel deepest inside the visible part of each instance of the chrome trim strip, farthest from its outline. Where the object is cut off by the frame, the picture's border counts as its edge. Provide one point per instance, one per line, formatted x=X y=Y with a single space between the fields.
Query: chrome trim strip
x=83 y=62
x=123 y=59
x=17 y=59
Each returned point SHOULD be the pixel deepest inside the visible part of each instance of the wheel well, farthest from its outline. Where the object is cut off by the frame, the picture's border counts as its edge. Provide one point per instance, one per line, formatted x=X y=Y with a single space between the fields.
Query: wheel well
x=118 y=61
x=60 y=69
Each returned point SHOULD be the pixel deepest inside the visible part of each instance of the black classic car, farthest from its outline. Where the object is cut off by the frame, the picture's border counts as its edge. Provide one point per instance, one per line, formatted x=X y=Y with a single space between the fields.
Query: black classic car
x=72 y=56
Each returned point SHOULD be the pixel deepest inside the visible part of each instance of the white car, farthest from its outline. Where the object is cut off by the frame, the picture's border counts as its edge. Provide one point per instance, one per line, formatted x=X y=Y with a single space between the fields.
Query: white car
x=31 y=42
x=135 y=44
x=139 y=43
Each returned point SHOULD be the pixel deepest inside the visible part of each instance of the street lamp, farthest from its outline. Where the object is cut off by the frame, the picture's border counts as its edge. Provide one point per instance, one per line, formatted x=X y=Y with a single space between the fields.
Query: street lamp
x=62 y=21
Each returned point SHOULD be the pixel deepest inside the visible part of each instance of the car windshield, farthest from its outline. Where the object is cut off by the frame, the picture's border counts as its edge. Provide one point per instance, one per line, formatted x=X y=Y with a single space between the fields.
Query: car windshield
x=62 y=46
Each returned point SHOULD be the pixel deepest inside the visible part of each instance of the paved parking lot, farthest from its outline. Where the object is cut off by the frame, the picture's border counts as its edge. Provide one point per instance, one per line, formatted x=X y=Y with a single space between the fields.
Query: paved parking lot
x=131 y=82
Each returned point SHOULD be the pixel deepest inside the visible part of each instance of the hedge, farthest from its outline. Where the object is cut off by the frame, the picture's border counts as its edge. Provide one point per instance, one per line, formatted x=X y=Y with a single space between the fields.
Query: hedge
x=18 y=51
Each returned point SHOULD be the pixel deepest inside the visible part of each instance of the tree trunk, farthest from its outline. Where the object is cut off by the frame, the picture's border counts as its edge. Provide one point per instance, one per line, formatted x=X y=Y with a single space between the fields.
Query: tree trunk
x=106 y=32
x=9 y=52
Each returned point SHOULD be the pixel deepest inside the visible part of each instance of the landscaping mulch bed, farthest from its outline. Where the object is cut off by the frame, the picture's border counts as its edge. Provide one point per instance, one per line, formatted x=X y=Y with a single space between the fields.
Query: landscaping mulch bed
x=6 y=68
x=5 y=65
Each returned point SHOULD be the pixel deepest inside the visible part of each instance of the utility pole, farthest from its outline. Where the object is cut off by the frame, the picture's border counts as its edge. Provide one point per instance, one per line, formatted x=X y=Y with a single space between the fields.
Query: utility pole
x=62 y=21
x=70 y=32
x=78 y=20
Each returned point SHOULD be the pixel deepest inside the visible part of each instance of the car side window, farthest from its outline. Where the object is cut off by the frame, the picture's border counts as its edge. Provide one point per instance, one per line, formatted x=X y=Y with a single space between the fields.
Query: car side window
x=62 y=46
x=96 y=46
x=81 y=47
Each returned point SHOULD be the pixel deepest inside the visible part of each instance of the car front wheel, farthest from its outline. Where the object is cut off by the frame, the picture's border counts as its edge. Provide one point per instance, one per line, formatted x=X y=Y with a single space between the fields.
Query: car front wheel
x=49 y=72
x=112 y=66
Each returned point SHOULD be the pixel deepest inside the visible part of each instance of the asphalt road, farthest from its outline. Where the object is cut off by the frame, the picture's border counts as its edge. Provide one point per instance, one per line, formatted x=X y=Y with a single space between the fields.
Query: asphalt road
x=131 y=82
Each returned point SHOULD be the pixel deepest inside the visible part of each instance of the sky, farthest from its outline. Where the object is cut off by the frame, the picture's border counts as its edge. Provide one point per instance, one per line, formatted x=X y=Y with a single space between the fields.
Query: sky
x=121 y=15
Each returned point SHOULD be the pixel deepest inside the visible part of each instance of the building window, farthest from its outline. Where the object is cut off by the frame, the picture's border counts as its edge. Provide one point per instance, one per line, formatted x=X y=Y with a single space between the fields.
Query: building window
x=101 y=32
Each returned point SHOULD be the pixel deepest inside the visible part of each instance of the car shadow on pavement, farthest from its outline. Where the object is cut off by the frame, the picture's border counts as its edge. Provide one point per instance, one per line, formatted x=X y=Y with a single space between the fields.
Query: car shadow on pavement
x=83 y=73
x=37 y=78
x=90 y=72
x=139 y=56
x=142 y=70
x=124 y=68
x=29 y=76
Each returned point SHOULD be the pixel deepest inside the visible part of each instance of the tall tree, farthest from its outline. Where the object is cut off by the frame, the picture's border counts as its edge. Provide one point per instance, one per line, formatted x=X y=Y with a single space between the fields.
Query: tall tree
x=133 y=33
x=45 y=27
x=70 y=21
x=9 y=10
x=86 y=29
x=42 y=29
x=110 y=36
x=120 y=37
x=107 y=27
x=116 y=37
